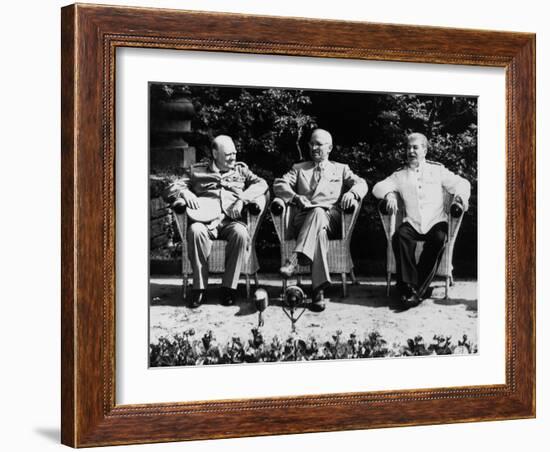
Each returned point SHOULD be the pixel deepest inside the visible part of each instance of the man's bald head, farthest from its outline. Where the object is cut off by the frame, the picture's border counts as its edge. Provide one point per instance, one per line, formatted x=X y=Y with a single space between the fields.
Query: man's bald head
x=224 y=152
x=320 y=145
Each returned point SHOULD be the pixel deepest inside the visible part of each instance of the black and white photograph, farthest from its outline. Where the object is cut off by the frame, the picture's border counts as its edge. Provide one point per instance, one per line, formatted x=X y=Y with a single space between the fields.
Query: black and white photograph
x=262 y=226
x=302 y=225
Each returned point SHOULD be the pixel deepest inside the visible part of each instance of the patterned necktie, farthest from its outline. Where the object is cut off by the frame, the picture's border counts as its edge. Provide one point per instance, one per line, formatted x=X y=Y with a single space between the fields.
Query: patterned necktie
x=317 y=174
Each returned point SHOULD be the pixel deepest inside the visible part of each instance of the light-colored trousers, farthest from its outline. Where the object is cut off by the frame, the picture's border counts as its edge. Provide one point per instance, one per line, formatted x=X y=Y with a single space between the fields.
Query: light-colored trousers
x=199 y=245
x=314 y=226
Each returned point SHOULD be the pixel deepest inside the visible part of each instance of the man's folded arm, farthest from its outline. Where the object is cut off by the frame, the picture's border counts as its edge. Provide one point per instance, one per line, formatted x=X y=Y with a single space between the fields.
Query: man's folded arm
x=456 y=185
x=382 y=188
x=255 y=187
x=357 y=185
x=283 y=186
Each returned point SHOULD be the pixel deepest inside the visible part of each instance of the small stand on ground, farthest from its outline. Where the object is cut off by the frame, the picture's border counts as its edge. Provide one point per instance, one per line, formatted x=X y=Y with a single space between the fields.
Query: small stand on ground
x=293 y=301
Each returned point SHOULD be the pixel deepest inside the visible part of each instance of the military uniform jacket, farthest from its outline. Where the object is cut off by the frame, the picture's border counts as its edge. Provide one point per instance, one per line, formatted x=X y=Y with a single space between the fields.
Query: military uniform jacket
x=206 y=180
x=336 y=179
x=422 y=190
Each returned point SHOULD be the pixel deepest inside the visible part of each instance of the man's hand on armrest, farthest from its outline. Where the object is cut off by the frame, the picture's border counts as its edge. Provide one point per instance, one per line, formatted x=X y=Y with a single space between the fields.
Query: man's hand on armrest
x=458 y=206
x=391 y=203
x=458 y=200
x=190 y=199
x=348 y=200
x=235 y=209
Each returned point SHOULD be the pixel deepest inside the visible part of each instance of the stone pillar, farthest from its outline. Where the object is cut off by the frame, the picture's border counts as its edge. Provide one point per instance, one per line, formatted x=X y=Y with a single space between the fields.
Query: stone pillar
x=170 y=120
x=170 y=114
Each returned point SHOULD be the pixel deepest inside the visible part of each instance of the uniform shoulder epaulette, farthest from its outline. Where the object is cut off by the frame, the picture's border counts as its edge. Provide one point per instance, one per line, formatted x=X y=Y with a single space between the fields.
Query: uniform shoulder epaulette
x=337 y=164
x=401 y=168
x=199 y=164
x=434 y=163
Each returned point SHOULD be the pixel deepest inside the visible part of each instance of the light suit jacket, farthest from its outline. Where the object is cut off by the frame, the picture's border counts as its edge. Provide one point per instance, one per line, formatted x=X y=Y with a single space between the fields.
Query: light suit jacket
x=336 y=179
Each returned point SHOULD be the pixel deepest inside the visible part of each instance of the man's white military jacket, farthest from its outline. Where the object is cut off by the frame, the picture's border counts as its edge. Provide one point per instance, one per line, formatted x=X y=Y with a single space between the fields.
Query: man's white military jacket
x=423 y=190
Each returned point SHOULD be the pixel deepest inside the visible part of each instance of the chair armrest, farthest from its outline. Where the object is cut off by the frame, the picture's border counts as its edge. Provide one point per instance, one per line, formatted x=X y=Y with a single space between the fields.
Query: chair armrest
x=258 y=205
x=179 y=206
x=383 y=208
x=255 y=212
x=277 y=207
x=180 y=213
x=389 y=219
x=456 y=210
x=279 y=214
x=349 y=218
x=456 y=214
x=351 y=209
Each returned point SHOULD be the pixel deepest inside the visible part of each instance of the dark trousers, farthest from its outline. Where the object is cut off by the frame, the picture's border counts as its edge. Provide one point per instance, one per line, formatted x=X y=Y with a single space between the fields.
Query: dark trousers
x=404 y=245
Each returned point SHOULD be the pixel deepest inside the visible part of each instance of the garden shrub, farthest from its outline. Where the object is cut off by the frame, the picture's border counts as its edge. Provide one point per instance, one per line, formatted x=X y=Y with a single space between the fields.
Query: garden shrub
x=185 y=349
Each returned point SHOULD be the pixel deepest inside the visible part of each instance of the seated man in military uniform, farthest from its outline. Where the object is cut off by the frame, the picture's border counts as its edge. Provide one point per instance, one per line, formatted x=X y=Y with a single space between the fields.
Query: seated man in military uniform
x=215 y=193
x=319 y=188
x=421 y=184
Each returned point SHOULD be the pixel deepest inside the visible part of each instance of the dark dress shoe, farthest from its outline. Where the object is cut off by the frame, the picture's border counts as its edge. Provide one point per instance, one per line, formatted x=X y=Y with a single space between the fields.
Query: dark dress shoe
x=406 y=289
x=228 y=296
x=412 y=301
x=198 y=297
x=318 y=301
x=427 y=293
x=288 y=269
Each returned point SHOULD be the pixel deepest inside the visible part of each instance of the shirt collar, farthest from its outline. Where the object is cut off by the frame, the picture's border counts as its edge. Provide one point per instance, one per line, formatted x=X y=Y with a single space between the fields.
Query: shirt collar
x=419 y=168
x=214 y=168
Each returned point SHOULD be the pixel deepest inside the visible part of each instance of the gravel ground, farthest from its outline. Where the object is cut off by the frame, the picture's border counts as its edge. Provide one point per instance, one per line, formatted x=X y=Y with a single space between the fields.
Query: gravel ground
x=366 y=309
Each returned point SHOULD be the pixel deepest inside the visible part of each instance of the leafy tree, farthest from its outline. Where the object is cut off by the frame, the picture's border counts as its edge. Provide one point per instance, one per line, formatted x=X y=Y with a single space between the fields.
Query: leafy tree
x=271 y=126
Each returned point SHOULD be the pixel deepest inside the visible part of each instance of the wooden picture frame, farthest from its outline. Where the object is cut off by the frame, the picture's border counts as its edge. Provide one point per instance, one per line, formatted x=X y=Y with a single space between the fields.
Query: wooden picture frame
x=90 y=36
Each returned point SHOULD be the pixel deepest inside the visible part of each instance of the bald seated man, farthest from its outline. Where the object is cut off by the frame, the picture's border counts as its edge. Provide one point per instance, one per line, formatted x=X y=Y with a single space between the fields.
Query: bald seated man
x=229 y=185
x=421 y=184
x=319 y=188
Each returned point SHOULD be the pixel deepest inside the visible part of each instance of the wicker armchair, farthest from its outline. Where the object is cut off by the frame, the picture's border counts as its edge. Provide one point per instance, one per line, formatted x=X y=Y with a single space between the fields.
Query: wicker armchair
x=254 y=212
x=339 y=255
x=391 y=222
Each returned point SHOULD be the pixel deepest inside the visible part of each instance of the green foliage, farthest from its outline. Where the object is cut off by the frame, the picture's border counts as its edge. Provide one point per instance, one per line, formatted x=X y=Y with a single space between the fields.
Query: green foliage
x=185 y=350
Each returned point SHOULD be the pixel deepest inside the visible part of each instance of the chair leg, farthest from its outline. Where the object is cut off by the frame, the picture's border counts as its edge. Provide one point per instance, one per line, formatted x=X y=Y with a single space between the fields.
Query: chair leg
x=284 y=289
x=447 y=284
x=248 y=287
x=452 y=283
x=184 y=287
x=353 y=277
x=256 y=281
x=388 y=283
x=344 y=284
x=299 y=280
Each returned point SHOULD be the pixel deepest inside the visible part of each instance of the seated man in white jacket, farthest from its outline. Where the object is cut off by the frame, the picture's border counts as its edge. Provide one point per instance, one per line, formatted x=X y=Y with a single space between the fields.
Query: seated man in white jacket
x=421 y=185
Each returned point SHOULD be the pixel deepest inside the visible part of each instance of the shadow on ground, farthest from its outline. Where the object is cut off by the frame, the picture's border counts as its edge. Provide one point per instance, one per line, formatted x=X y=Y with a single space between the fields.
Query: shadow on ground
x=471 y=305
x=366 y=309
x=168 y=292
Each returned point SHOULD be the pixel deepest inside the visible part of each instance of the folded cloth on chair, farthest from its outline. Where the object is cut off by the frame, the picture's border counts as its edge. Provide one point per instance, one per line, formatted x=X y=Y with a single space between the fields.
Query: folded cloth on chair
x=209 y=210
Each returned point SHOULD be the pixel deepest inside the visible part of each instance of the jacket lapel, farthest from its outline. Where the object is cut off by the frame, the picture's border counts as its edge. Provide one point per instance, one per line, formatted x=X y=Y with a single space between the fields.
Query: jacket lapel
x=326 y=175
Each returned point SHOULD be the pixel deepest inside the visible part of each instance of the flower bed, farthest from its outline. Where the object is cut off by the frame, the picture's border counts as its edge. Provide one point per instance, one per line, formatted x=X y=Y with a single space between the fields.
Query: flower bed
x=186 y=350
